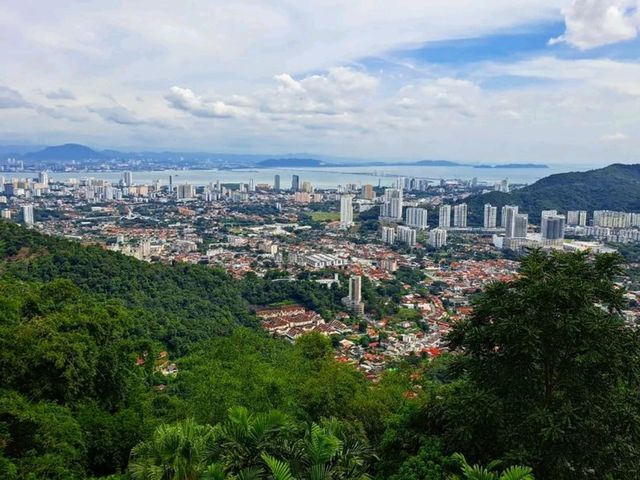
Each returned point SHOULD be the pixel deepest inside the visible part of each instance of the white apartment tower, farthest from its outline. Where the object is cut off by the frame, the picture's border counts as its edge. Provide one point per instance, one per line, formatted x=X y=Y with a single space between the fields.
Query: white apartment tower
x=416 y=217
x=490 y=216
x=444 y=216
x=346 y=212
x=460 y=216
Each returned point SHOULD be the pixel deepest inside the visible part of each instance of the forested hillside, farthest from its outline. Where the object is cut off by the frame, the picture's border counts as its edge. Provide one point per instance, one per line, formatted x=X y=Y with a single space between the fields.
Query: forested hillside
x=177 y=305
x=616 y=187
x=544 y=374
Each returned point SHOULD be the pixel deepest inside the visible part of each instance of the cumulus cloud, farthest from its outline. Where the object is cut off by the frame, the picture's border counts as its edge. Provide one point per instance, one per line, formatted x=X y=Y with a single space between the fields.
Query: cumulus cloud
x=594 y=23
x=184 y=99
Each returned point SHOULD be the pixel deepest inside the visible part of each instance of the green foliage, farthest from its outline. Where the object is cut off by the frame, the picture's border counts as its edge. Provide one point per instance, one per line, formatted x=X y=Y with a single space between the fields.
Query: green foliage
x=616 y=187
x=177 y=305
x=552 y=371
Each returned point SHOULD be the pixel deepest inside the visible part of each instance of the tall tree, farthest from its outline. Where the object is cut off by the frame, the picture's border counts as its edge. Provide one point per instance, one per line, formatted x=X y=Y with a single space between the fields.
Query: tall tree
x=554 y=371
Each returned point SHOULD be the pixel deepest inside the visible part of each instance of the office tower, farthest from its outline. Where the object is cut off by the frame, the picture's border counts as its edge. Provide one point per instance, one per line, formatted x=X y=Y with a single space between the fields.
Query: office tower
x=276 y=183
x=128 y=179
x=544 y=214
x=553 y=228
x=444 y=216
x=438 y=237
x=507 y=210
x=43 y=178
x=388 y=235
x=490 y=216
x=346 y=211
x=354 y=300
x=295 y=183
x=186 y=191
x=416 y=217
x=406 y=235
x=368 y=193
x=460 y=216
x=27 y=215
x=392 y=206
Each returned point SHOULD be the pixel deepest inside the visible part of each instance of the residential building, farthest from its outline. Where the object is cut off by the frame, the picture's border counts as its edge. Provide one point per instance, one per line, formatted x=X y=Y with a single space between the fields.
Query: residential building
x=460 y=216
x=416 y=217
x=490 y=216
x=444 y=216
x=406 y=235
x=346 y=211
x=438 y=238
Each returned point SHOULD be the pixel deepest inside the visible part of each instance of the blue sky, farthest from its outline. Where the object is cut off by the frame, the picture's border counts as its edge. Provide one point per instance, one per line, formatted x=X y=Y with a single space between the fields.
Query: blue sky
x=493 y=81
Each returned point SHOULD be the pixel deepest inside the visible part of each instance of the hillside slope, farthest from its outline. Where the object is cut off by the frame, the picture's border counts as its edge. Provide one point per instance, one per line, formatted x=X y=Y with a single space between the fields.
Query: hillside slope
x=616 y=187
x=178 y=304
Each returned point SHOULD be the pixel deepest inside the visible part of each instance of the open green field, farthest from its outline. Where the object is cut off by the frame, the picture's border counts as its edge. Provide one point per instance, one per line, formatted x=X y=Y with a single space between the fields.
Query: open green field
x=325 y=216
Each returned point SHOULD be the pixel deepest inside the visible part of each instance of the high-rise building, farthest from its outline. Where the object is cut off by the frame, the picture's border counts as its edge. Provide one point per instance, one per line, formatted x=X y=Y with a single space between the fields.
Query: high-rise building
x=553 y=228
x=368 y=193
x=354 y=300
x=43 y=178
x=6 y=214
x=544 y=214
x=186 y=191
x=252 y=185
x=276 y=183
x=490 y=216
x=438 y=237
x=295 y=183
x=392 y=206
x=444 y=216
x=503 y=214
x=406 y=235
x=127 y=179
x=460 y=216
x=416 y=217
x=27 y=215
x=577 y=218
x=307 y=187
x=346 y=211
x=388 y=235
x=508 y=212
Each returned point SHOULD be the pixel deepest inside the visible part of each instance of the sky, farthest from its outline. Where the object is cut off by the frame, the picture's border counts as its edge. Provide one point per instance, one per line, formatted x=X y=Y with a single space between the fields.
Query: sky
x=551 y=81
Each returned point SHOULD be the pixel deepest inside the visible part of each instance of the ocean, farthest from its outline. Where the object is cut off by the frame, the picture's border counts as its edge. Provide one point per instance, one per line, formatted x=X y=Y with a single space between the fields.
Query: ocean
x=328 y=177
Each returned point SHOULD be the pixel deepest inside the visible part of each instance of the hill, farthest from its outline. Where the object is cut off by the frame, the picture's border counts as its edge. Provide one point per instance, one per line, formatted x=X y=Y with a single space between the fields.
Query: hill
x=177 y=305
x=68 y=151
x=616 y=187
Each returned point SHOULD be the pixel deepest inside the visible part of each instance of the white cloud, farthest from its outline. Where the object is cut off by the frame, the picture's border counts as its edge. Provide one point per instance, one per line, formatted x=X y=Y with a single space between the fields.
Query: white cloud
x=614 y=137
x=594 y=23
x=187 y=101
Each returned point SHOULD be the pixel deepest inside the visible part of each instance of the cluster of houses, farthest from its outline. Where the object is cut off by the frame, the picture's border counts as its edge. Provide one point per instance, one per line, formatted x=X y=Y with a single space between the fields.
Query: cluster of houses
x=291 y=321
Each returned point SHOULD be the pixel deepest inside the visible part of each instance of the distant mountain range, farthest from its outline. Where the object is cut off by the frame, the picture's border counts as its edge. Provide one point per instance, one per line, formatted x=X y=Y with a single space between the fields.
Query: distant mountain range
x=76 y=152
x=69 y=151
x=616 y=187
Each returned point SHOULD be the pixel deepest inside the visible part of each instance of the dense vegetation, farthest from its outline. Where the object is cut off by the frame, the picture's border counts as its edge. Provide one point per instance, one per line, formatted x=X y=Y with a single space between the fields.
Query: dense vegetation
x=544 y=373
x=616 y=187
x=177 y=305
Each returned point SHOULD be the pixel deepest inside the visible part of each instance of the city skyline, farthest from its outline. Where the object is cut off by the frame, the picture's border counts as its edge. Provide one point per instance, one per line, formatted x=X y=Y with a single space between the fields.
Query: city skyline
x=383 y=83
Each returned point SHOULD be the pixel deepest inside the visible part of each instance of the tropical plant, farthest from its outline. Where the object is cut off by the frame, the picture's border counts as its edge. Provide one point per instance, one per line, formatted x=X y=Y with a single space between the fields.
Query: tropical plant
x=478 y=472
